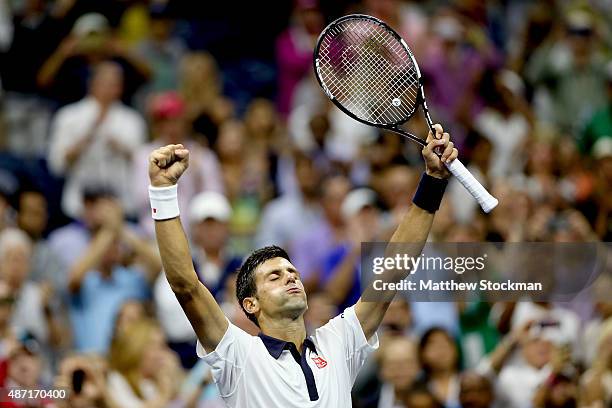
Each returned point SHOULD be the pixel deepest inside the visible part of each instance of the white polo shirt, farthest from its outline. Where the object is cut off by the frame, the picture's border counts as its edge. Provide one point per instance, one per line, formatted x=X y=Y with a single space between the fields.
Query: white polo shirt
x=261 y=371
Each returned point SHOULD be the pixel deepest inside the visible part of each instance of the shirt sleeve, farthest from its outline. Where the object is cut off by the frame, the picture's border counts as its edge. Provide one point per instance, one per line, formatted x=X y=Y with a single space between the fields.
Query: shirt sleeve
x=59 y=143
x=347 y=328
x=228 y=359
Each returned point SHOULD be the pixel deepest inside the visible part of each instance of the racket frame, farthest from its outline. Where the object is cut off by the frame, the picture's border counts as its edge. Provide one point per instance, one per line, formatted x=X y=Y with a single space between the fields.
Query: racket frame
x=394 y=127
x=484 y=198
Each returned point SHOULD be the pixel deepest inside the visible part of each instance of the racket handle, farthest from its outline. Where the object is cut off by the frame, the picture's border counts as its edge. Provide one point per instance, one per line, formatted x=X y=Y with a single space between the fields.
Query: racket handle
x=486 y=200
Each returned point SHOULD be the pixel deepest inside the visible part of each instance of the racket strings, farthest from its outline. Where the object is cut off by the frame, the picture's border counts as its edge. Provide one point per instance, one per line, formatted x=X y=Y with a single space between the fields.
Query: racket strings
x=377 y=60
x=369 y=72
x=365 y=100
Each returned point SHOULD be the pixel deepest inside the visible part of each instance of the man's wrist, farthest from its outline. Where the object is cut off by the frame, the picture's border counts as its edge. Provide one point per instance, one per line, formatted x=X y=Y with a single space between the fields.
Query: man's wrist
x=437 y=174
x=429 y=193
x=164 y=202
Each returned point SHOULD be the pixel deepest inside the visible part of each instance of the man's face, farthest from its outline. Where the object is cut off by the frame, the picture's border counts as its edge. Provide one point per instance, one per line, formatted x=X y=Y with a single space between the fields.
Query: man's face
x=400 y=365
x=280 y=292
x=32 y=216
x=475 y=391
x=107 y=84
x=25 y=369
x=210 y=234
x=537 y=352
x=15 y=265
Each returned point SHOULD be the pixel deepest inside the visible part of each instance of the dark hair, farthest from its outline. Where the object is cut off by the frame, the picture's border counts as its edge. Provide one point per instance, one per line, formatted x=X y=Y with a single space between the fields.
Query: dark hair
x=423 y=343
x=420 y=390
x=245 y=282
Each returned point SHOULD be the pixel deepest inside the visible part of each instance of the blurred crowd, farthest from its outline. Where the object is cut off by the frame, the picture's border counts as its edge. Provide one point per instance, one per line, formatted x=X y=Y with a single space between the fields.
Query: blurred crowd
x=90 y=88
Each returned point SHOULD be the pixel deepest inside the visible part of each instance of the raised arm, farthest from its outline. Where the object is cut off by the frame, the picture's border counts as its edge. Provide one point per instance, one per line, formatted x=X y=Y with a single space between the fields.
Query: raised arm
x=166 y=165
x=414 y=228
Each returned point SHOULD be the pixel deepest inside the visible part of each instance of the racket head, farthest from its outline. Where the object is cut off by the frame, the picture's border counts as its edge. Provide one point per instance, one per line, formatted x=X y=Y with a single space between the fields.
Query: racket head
x=368 y=71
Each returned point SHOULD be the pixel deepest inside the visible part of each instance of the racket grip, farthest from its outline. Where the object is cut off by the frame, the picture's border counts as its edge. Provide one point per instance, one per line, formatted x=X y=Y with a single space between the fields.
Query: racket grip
x=486 y=200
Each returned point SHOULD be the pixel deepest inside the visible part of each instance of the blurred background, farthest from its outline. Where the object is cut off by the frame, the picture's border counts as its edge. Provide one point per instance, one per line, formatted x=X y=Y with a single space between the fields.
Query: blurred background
x=90 y=88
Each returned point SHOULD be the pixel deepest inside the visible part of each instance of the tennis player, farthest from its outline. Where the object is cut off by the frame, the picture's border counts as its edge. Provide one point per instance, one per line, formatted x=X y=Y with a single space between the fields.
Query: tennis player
x=281 y=367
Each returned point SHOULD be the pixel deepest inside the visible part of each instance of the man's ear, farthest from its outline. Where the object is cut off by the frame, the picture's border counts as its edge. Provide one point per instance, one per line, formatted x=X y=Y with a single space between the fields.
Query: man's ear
x=250 y=304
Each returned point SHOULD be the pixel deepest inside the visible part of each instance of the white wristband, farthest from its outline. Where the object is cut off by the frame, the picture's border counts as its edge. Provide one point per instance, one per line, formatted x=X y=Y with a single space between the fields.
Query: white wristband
x=164 y=202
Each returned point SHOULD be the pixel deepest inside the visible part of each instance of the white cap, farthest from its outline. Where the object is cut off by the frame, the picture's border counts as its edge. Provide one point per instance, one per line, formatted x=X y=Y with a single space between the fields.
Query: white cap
x=90 y=23
x=602 y=148
x=579 y=20
x=356 y=200
x=552 y=333
x=209 y=204
x=448 y=28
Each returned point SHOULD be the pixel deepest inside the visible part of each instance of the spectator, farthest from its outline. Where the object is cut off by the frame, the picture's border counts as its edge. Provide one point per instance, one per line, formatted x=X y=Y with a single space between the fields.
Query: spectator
x=399 y=370
x=99 y=282
x=144 y=372
x=245 y=174
x=559 y=391
x=592 y=328
x=70 y=241
x=439 y=358
x=84 y=379
x=93 y=140
x=25 y=371
x=340 y=277
x=64 y=75
x=453 y=68
x=302 y=208
x=8 y=340
x=162 y=52
x=4 y=211
x=476 y=391
x=209 y=214
x=564 y=321
x=38 y=27
x=503 y=122
x=569 y=72
x=130 y=312
x=420 y=397
x=597 y=381
x=294 y=50
x=199 y=389
x=600 y=125
x=201 y=89
x=603 y=178
x=517 y=383
x=169 y=125
x=310 y=250
x=33 y=314
x=32 y=217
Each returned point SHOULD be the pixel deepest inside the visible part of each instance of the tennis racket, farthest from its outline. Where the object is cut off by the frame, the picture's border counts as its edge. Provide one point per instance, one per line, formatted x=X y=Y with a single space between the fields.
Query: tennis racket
x=369 y=72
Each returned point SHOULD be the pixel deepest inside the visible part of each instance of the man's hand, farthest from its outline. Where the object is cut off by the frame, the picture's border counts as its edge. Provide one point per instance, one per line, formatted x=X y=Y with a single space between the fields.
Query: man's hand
x=434 y=165
x=167 y=164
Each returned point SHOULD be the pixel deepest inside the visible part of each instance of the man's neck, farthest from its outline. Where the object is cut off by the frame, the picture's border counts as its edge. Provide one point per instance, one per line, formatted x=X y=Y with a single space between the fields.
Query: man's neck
x=287 y=329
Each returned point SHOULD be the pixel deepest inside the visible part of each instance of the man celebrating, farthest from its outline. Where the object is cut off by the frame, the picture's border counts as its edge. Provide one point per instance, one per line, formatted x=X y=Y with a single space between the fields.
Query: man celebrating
x=280 y=367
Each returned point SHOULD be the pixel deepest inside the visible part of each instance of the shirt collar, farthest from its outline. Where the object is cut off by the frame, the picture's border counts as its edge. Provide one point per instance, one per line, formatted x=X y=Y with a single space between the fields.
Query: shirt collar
x=276 y=346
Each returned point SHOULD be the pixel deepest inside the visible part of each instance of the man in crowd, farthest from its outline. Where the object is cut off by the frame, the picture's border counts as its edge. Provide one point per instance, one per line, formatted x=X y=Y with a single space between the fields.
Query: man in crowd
x=99 y=282
x=92 y=141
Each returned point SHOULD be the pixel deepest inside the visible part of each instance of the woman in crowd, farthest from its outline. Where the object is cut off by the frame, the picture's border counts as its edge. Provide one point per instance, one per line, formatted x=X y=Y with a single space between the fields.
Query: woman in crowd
x=439 y=358
x=144 y=371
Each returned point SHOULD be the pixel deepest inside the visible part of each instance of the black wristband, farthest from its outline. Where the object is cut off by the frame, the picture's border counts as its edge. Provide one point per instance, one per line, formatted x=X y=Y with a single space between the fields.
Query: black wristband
x=429 y=193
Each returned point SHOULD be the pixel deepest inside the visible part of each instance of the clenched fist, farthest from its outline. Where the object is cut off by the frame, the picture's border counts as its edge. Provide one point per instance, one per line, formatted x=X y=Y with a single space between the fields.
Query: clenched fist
x=167 y=164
